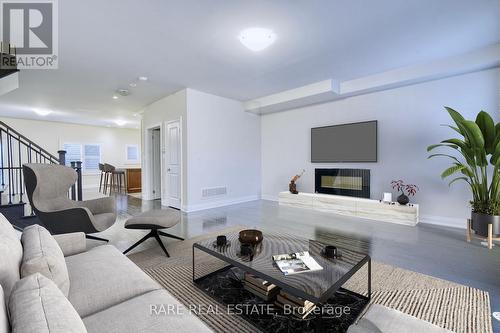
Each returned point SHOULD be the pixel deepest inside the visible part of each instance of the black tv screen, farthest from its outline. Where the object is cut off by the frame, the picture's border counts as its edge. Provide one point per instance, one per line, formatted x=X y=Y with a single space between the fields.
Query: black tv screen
x=356 y=142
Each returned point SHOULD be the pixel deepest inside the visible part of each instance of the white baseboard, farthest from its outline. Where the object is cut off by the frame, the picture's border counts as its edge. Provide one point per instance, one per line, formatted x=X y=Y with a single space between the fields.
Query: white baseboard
x=218 y=203
x=270 y=197
x=453 y=222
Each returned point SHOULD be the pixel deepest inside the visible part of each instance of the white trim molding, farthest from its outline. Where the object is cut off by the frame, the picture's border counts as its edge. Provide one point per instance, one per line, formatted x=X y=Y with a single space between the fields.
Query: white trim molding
x=332 y=89
x=218 y=203
x=270 y=197
x=452 y=222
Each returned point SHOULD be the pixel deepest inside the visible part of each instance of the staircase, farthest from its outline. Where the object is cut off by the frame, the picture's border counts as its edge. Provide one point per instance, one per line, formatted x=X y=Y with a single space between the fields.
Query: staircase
x=9 y=78
x=15 y=150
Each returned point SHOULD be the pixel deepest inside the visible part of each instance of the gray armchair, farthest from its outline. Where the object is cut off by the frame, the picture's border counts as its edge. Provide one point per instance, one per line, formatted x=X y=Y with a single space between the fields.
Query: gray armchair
x=47 y=187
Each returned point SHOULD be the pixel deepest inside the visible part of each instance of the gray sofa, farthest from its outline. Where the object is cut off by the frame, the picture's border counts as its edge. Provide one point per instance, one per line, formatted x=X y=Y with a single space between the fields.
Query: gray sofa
x=380 y=319
x=108 y=292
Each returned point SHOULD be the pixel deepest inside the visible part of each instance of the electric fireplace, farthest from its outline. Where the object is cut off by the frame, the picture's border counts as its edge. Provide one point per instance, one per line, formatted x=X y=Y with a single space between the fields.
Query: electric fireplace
x=350 y=182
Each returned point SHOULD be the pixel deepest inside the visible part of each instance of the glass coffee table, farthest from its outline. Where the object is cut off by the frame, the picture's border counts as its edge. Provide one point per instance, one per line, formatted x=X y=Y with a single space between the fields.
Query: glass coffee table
x=323 y=287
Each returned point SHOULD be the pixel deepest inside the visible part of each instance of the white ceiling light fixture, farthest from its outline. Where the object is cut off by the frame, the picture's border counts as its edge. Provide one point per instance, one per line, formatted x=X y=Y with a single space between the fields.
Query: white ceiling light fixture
x=123 y=92
x=42 y=112
x=115 y=97
x=257 y=39
x=120 y=122
x=143 y=78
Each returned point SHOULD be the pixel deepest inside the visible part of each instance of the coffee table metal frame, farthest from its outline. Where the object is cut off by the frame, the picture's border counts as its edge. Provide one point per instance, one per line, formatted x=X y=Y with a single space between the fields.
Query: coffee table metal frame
x=320 y=302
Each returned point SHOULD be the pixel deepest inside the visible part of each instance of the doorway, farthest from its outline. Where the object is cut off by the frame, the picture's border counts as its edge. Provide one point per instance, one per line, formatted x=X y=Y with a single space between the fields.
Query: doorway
x=173 y=143
x=155 y=135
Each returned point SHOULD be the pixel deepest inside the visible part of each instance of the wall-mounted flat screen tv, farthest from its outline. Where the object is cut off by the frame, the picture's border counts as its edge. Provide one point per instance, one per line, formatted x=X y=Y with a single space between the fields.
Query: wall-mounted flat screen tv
x=356 y=142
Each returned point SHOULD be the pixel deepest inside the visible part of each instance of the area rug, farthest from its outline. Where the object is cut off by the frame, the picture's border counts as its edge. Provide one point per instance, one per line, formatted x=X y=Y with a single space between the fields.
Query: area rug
x=444 y=303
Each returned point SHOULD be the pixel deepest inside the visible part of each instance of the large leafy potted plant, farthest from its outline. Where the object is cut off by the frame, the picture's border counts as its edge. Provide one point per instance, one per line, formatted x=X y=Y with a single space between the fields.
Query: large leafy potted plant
x=476 y=161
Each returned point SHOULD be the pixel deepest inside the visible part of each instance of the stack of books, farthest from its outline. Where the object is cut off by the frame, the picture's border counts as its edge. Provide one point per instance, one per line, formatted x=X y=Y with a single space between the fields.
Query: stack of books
x=297 y=306
x=259 y=287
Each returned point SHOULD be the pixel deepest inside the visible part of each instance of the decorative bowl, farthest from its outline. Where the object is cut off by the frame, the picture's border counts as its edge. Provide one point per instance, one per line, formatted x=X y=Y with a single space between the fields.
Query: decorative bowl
x=251 y=236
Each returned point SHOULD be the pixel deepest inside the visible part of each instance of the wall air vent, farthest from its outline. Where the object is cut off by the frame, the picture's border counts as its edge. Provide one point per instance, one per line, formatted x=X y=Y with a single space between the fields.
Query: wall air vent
x=213 y=191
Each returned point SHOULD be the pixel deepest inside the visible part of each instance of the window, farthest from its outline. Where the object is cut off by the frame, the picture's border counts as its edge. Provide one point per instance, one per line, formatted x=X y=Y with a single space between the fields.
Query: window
x=132 y=154
x=91 y=157
x=88 y=154
x=73 y=152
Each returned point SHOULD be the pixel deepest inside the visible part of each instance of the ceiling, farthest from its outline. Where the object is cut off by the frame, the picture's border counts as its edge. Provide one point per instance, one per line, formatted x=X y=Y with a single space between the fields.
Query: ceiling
x=105 y=45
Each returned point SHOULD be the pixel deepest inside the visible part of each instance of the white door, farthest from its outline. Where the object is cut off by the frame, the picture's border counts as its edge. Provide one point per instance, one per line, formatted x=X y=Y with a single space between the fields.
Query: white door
x=156 y=165
x=173 y=162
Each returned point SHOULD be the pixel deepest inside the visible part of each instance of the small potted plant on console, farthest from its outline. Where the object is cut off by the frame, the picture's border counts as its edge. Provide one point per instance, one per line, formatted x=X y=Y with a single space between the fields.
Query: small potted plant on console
x=405 y=189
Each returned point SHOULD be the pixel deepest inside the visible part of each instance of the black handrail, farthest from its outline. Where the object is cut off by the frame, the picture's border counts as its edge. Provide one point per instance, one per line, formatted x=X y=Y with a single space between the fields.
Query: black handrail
x=28 y=142
x=12 y=143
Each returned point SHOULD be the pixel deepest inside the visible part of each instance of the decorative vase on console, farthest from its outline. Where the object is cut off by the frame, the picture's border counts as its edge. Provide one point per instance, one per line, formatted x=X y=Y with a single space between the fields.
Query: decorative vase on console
x=292 y=187
x=400 y=186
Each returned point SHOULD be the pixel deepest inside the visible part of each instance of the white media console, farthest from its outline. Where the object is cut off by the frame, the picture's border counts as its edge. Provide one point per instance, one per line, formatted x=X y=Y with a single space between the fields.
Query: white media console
x=353 y=206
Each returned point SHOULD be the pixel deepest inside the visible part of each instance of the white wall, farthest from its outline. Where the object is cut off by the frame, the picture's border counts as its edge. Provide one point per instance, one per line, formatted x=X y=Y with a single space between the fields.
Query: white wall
x=52 y=135
x=409 y=120
x=223 y=149
x=171 y=107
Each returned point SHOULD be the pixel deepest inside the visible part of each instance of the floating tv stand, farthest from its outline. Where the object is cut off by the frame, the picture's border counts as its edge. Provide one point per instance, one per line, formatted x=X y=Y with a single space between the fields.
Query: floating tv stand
x=353 y=206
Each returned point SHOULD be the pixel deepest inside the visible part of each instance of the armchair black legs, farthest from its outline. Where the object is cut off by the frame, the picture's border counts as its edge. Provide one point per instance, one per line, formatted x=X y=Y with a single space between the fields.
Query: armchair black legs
x=96 y=238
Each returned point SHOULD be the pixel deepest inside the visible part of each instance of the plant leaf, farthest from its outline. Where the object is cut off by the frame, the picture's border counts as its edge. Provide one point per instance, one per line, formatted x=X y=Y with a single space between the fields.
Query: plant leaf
x=497 y=139
x=452 y=170
x=457 y=117
x=444 y=155
x=458 y=178
x=473 y=133
x=496 y=154
x=456 y=142
x=487 y=127
x=453 y=128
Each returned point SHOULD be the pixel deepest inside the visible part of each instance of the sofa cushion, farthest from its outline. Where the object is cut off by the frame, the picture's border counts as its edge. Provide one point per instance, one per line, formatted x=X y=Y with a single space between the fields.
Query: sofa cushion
x=37 y=305
x=71 y=243
x=103 y=277
x=43 y=255
x=11 y=254
x=144 y=314
x=380 y=319
x=4 y=316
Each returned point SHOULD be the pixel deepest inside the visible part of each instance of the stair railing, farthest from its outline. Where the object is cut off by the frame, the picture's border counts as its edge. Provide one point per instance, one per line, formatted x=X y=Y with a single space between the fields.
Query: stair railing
x=15 y=150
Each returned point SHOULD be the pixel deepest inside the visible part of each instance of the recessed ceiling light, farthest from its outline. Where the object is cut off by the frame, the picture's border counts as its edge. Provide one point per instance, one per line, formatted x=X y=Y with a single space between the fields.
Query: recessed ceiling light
x=120 y=122
x=115 y=97
x=143 y=78
x=133 y=84
x=42 y=112
x=123 y=92
x=257 y=39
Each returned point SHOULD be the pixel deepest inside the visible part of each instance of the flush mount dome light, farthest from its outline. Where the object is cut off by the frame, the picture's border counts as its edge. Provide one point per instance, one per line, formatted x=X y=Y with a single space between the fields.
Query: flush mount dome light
x=257 y=39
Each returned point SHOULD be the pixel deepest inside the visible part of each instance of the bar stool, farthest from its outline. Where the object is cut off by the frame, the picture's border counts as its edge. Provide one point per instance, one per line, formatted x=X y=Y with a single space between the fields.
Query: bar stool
x=108 y=169
x=101 y=168
x=117 y=179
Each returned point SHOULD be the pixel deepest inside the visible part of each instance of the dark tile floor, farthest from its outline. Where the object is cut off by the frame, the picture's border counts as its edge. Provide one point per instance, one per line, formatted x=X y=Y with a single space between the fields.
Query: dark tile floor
x=437 y=251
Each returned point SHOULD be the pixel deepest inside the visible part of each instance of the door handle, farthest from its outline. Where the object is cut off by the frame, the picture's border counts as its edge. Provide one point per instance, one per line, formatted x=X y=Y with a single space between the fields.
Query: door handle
x=168 y=169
